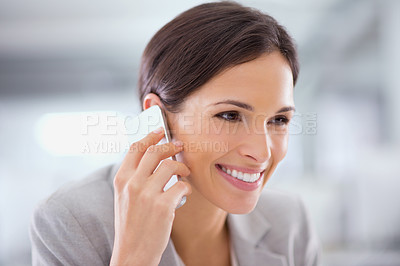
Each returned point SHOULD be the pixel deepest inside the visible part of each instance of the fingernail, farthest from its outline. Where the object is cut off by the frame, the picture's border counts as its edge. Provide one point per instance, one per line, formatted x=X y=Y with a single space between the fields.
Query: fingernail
x=178 y=143
x=158 y=130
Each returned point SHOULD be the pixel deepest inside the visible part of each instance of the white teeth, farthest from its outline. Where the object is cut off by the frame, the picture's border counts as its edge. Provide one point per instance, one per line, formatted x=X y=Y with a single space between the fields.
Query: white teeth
x=234 y=173
x=240 y=175
x=247 y=177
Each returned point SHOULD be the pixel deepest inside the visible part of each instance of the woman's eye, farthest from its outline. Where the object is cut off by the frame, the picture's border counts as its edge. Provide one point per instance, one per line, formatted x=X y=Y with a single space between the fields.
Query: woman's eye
x=230 y=116
x=280 y=121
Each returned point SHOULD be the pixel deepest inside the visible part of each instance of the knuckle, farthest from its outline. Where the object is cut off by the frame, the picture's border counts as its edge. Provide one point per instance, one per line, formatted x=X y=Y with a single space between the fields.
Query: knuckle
x=119 y=182
x=145 y=197
x=138 y=146
x=171 y=146
x=162 y=205
x=183 y=169
x=151 y=149
x=134 y=147
x=133 y=189
x=181 y=185
x=184 y=186
x=170 y=164
x=166 y=163
x=166 y=147
x=161 y=148
x=186 y=171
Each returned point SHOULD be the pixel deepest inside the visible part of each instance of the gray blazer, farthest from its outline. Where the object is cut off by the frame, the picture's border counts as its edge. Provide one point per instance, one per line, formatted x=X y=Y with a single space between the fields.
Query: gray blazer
x=75 y=226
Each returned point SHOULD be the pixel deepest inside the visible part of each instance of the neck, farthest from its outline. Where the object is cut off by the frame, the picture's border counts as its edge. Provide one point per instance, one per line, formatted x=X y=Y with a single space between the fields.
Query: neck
x=198 y=226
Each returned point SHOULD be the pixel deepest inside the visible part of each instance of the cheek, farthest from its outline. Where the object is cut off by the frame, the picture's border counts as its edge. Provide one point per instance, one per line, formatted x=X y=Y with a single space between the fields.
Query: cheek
x=279 y=146
x=205 y=143
x=201 y=147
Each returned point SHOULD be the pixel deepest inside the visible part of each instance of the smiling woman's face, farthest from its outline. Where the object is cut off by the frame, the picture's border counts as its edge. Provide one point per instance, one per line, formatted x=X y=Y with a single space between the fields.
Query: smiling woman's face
x=238 y=120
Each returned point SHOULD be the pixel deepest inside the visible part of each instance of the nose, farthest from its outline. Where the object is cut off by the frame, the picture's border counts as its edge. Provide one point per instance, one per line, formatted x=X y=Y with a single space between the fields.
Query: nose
x=257 y=145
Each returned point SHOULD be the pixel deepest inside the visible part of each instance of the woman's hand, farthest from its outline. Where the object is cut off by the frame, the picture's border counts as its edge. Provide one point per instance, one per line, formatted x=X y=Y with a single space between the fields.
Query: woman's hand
x=144 y=213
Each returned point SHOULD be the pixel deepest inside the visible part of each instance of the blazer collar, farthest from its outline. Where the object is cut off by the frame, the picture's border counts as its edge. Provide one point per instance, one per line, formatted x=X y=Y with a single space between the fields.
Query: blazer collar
x=251 y=228
x=249 y=235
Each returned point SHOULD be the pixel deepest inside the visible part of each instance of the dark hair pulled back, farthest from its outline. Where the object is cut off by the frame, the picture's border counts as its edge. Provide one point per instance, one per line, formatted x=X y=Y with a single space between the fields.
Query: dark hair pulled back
x=203 y=41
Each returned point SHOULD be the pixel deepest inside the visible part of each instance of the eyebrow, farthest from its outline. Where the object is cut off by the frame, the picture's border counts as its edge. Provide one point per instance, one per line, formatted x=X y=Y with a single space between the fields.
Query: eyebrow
x=251 y=108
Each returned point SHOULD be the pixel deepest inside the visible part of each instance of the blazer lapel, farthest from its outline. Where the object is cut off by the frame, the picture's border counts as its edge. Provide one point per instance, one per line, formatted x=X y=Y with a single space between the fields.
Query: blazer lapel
x=247 y=233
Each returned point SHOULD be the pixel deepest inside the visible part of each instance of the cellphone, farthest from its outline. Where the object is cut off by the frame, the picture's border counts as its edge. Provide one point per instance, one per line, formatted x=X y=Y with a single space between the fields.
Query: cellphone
x=147 y=121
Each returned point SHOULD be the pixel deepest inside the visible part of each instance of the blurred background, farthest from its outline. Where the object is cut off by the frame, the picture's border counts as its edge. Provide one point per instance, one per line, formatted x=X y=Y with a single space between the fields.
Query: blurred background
x=68 y=72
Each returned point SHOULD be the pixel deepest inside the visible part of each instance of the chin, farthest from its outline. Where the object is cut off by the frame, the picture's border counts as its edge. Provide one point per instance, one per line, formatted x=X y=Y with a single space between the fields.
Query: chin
x=242 y=207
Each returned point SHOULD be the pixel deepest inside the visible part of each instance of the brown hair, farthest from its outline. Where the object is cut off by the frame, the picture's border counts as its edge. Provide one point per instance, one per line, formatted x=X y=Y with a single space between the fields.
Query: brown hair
x=203 y=41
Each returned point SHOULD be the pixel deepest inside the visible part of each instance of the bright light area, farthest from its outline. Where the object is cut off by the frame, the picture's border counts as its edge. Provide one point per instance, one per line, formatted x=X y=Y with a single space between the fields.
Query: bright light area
x=82 y=133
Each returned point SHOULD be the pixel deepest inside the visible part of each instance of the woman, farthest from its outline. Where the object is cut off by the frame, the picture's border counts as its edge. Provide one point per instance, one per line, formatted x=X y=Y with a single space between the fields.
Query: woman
x=223 y=74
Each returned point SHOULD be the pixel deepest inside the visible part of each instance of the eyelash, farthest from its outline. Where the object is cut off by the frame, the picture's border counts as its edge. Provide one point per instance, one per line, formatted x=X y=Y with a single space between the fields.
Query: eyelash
x=221 y=116
x=279 y=120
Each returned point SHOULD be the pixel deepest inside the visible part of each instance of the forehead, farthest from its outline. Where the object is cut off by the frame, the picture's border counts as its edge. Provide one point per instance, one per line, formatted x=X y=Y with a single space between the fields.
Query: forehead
x=265 y=82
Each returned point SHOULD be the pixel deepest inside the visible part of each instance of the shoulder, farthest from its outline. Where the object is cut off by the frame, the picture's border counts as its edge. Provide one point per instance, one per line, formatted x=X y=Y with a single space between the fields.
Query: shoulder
x=78 y=216
x=86 y=188
x=85 y=200
x=88 y=198
x=291 y=227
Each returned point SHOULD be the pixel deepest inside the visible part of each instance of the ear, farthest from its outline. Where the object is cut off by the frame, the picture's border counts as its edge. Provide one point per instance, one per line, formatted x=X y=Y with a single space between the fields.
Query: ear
x=150 y=100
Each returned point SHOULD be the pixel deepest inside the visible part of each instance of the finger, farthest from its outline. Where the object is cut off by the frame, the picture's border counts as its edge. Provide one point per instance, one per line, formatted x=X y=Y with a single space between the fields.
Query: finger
x=177 y=192
x=133 y=156
x=138 y=148
x=154 y=154
x=165 y=171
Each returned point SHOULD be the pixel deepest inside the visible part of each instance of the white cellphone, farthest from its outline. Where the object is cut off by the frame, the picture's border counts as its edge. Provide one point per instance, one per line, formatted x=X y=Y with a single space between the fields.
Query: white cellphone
x=147 y=121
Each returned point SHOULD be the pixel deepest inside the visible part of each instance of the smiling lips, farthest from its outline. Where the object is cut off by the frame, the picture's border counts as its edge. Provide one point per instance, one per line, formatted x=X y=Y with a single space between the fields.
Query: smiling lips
x=247 y=179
